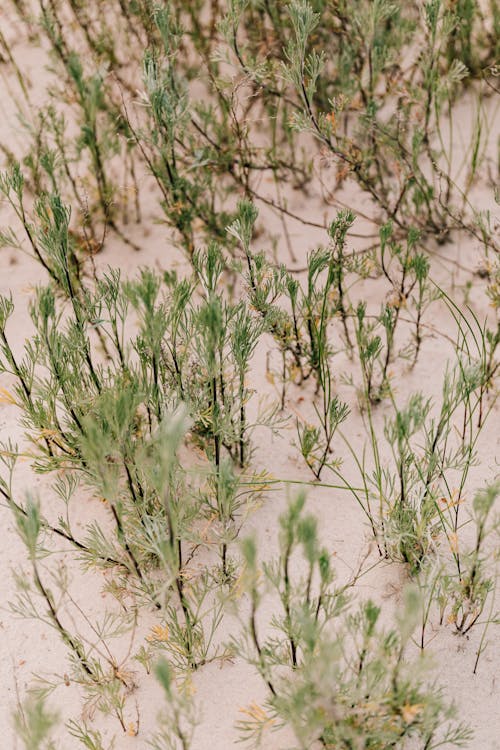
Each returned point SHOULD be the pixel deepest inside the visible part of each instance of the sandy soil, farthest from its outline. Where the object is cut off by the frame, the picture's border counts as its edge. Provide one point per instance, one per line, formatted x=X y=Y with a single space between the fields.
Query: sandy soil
x=28 y=648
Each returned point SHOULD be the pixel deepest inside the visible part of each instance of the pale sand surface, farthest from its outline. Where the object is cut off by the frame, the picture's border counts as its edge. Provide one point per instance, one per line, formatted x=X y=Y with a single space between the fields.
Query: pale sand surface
x=28 y=648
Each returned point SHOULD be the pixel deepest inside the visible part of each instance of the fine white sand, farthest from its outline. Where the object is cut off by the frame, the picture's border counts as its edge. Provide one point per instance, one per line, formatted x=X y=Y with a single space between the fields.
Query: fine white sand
x=30 y=648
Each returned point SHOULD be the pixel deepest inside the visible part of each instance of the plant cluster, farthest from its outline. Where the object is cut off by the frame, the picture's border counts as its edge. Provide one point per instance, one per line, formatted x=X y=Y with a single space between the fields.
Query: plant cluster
x=140 y=394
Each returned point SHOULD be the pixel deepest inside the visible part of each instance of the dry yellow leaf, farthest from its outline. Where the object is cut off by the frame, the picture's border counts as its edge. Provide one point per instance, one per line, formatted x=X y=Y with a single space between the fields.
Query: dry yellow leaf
x=410 y=713
x=270 y=377
x=6 y=397
x=131 y=730
x=257 y=713
x=158 y=633
x=453 y=541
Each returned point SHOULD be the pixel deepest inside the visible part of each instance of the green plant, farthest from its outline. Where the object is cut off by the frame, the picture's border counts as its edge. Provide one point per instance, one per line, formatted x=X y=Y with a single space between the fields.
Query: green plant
x=250 y=133
x=335 y=677
x=34 y=724
x=177 y=721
